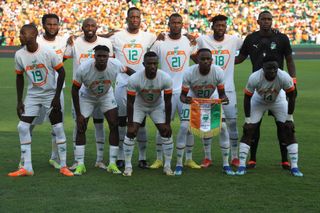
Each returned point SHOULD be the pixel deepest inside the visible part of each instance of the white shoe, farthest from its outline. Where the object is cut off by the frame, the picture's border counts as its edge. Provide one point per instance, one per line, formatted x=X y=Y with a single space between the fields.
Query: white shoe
x=167 y=171
x=127 y=172
x=100 y=165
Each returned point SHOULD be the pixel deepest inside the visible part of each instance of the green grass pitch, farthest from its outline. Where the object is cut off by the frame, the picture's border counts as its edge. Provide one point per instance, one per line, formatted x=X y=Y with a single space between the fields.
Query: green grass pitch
x=268 y=188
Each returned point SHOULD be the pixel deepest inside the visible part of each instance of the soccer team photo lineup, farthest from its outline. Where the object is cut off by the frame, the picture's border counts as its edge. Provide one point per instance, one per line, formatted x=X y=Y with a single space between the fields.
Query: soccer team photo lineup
x=128 y=74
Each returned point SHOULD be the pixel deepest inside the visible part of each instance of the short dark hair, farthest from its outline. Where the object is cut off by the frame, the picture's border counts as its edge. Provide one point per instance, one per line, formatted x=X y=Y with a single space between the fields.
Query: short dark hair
x=101 y=47
x=269 y=57
x=264 y=12
x=150 y=54
x=203 y=50
x=131 y=9
x=176 y=15
x=49 y=15
x=218 y=18
x=30 y=26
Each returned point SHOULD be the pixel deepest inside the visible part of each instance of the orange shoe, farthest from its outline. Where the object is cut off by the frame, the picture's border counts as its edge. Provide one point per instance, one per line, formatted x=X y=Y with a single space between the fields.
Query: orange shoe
x=66 y=172
x=21 y=172
x=235 y=162
x=206 y=163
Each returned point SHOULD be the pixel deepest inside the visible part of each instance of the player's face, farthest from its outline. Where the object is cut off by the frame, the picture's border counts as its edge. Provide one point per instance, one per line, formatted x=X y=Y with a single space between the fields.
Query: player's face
x=27 y=36
x=219 y=28
x=134 y=19
x=51 y=27
x=205 y=60
x=265 y=21
x=89 y=28
x=175 y=25
x=270 y=70
x=151 y=66
x=101 y=59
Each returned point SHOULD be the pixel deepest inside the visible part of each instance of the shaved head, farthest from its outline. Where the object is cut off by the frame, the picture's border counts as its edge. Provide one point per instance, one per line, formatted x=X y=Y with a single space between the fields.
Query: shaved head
x=87 y=20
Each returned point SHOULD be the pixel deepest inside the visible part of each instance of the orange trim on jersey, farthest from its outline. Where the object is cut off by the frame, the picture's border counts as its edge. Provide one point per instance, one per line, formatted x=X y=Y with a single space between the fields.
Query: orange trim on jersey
x=132 y=93
x=169 y=91
x=185 y=89
x=247 y=92
x=294 y=80
x=221 y=86
x=290 y=89
x=66 y=56
x=19 y=72
x=58 y=66
x=76 y=83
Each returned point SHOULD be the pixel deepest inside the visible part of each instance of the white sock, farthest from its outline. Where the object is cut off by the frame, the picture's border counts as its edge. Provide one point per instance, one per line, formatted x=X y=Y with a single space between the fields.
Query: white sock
x=159 y=147
x=79 y=153
x=142 y=143
x=167 y=146
x=207 y=147
x=189 y=146
x=26 y=153
x=74 y=151
x=224 y=144
x=293 y=155
x=243 y=153
x=122 y=133
x=54 y=147
x=62 y=151
x=128 y=146
x=233 y=136
x=100 y=151
x=234 y=148
x=113 y=153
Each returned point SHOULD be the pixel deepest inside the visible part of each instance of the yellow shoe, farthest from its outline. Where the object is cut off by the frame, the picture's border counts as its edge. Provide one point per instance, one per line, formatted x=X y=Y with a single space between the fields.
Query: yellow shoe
x=21 y=172
x=191 y=164
x=157 y=164
x=66 y=172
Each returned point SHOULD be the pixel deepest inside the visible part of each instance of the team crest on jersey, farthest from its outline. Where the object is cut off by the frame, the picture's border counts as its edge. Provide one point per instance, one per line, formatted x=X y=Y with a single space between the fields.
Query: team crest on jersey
x=176 y=59
x=132 y=52
x=273 y=45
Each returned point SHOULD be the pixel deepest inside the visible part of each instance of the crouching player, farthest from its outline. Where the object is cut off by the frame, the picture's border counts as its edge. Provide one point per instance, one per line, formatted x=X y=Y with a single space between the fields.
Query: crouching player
x=265 y=91
x=39 y=63
x=200 y=81
x=145 y=98
x=96 y=75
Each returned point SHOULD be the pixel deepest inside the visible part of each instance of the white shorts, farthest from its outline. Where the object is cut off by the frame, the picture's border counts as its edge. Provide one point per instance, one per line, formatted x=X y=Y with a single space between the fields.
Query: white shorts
x=97 y=106
x=279 y=108
x=33 y=105
x=156 y=113
x=43 y=114
x=176 y=105
x=120 y=93
x=230 y=110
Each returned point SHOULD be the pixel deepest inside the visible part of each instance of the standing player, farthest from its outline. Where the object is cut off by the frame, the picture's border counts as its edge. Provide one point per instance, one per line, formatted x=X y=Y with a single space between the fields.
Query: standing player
x=39 y=63
x=201 y=81
x=174 y=55
x=96 y=76
x=145 y=98
x=129 y=47
x=82 y=50
x=262 y=93
x=257 y=45
x=224 y=48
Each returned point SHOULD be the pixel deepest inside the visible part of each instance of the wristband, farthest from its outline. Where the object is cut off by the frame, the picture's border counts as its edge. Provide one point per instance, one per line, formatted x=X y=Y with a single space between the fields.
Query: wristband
x=247 y=120
x=289 y=117
x=294 y=80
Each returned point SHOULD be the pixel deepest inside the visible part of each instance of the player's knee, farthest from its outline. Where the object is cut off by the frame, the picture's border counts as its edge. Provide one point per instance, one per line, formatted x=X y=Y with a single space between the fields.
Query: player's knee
x=248 y=133
x=131 y=132
x=55 y=117
x=24 y=132
x=58 y=130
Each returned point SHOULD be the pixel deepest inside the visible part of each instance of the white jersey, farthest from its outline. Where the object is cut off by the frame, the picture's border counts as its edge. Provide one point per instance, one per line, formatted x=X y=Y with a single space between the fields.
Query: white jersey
x=174 y=58
x=130 y=48
x=58 y=45
x=97 y=83
x=223 y=54
x=202 y=86
x=148 y=92
x=268 y=90
x=40 y=68
x=81 y=50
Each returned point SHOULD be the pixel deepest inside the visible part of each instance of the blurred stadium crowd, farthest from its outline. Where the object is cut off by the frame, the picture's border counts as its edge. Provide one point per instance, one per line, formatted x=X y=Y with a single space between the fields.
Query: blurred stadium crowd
x=299 y=19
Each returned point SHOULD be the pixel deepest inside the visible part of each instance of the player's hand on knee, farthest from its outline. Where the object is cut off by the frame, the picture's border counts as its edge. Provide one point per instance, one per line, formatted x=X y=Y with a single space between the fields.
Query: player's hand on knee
x=167 y=131
x=20 y=109
x=81 y=123
x=188 y=100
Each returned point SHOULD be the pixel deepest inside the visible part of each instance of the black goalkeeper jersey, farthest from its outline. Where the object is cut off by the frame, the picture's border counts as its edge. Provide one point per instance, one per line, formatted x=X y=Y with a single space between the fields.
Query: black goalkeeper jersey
x=257 y=46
